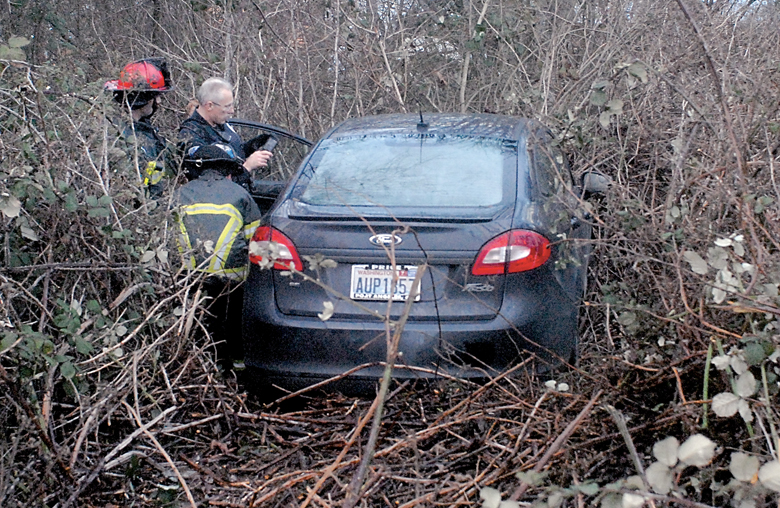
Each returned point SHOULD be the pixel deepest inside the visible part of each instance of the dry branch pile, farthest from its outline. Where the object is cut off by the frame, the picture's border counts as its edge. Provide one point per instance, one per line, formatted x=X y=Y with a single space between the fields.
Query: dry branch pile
x=110 y=394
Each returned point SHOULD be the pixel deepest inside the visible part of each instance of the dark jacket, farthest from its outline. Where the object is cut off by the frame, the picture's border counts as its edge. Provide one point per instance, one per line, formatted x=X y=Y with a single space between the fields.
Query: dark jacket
x=217 y=219
x=195 y=131
x=155 y=156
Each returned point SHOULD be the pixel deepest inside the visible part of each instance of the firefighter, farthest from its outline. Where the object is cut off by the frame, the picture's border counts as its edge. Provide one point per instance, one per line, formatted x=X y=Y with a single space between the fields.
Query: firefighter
x=217 y=218
x=139 y=89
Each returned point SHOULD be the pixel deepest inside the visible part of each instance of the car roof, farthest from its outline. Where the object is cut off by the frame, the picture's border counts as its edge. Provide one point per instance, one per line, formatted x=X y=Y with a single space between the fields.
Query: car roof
x=478 y=125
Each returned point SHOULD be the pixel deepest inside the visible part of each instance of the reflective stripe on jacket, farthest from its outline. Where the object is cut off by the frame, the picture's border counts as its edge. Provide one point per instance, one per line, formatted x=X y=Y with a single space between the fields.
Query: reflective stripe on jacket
x=217 y=218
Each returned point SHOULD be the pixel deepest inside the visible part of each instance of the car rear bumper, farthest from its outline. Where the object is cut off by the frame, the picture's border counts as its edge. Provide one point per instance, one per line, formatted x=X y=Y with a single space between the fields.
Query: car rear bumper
x=282 y=345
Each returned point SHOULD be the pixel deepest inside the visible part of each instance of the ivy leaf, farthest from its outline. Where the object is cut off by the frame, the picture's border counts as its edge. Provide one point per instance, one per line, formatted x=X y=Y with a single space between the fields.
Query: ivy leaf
x=725 y=404
x=744 y=467
x=327 y=311
x=659 y=476
x=698 y=265
x=666 y=451
x=697 y=450
x=769 y=475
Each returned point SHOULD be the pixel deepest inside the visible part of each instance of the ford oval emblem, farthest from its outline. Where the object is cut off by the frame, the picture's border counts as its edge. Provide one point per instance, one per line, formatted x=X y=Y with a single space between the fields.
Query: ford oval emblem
x=385 y=240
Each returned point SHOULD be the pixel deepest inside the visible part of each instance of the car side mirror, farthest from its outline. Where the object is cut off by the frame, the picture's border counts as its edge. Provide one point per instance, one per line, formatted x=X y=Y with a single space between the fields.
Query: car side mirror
x=594 y=183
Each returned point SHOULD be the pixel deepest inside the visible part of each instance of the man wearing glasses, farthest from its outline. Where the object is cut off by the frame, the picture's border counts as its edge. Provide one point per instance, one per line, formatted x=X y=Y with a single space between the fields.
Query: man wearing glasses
x=209 y=125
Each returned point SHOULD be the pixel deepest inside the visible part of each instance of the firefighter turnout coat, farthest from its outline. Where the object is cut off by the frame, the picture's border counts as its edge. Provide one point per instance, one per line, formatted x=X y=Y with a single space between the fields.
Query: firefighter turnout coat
x=217 y=219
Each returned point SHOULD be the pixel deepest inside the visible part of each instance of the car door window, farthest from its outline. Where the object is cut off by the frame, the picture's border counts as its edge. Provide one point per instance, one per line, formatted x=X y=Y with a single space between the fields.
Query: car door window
x=288 y=153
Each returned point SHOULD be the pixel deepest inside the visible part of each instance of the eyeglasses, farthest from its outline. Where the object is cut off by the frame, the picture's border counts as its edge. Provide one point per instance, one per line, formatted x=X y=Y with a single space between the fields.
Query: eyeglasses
x=223 y=106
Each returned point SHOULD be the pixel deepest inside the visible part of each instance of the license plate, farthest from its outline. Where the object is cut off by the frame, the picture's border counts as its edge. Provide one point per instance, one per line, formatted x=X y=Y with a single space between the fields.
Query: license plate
x=374 y=282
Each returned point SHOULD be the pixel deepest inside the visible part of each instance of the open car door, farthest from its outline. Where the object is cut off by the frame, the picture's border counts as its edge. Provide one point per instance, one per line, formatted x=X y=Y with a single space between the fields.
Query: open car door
x=289 y=151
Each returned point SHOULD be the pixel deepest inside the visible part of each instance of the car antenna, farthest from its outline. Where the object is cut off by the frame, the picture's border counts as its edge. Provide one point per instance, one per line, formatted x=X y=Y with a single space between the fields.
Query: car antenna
x=421 y=125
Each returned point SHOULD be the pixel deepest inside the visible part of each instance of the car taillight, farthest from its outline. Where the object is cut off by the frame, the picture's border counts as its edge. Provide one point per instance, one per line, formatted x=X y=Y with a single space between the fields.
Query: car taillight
x=512 y=252
x=271 y=243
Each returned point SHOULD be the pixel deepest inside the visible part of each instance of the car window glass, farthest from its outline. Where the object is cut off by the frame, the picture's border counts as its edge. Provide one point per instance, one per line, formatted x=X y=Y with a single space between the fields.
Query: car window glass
x=288 y=154
x=409 y=171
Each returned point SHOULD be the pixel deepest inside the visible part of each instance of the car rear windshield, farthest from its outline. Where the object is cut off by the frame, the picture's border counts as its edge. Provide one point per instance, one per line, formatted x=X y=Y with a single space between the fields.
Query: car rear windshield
x=409 y=171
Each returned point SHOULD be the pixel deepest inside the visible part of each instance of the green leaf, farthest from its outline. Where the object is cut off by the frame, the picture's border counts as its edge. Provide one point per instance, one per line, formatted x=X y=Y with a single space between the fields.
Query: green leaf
x=638 y=70
x=698 y=265
x=697 y=450
x=105 y=200
x=18 y=42
x=99 y=212
x=666 y=451
x=746 y=383
x=615 y=106
x=92 y=201
x=598 y=98
x=604 y=119
x=769 y=475
x=600 y=84
x=627 y=318
x=754 y=354
x=589 y=489
x=725 y=404
x=491 y=497
x=8 y=341
x=67 y=370
x=10 y=206
x=744 y=467
x=659 y=476
x=532 y=478
x=82 y=345
x=29 y=233
x=7 y=53
x=612 y=501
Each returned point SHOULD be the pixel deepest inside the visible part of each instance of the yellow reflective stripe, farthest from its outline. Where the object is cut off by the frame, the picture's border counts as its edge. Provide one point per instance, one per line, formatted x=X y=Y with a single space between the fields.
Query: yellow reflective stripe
x=226 y=238
x=187 y=247
x=225 y=244
x=250 y=228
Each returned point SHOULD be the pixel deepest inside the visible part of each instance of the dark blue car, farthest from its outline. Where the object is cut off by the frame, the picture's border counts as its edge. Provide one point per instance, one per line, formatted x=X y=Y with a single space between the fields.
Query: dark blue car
x=486 y=203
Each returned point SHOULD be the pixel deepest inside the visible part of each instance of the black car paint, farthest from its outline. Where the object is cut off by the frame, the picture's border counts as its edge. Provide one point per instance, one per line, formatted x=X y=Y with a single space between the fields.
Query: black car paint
x=481 y=333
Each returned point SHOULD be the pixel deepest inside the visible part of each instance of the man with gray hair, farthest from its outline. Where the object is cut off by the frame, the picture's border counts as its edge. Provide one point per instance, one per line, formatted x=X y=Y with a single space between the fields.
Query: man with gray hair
x=209 y=125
